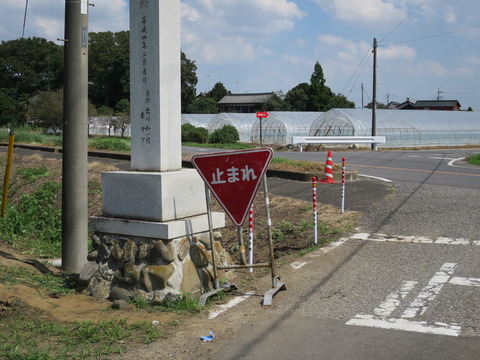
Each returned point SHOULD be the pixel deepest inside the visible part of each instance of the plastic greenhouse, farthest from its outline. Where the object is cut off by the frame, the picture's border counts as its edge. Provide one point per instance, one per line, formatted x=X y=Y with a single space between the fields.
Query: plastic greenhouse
x=280 y=126
x=197 y=120
x=403 y=128
x=241 y=121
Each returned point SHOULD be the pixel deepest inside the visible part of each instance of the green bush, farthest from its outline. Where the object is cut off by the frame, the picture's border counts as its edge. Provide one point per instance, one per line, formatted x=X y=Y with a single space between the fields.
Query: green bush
x=194 y=134
x=228 y=134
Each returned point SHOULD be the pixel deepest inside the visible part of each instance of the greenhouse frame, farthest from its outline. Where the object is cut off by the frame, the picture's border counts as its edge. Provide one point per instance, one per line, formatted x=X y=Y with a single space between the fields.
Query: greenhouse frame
x=198 y=120
x=403 y=128
x=280 y=126
x=243 y=122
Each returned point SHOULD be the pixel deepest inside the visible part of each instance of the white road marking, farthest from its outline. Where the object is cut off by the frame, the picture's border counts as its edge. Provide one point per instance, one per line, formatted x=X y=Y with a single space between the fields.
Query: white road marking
x=430 y=292
x=451 y=163
x=464 y=281
x=406 y=325
x=441 y=158
x=298 y=264
x=393 y=300
x=382 y=319
x=224 y=307
x=414 y=239
x=375 y=177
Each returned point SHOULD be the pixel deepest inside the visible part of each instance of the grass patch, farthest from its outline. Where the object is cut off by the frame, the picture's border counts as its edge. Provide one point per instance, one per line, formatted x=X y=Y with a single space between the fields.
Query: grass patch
x=299 y=165
x=35 y=223
x=473 y=159
x=27 y=136
x=41 y=338
x=58 y=284
x=109 y=143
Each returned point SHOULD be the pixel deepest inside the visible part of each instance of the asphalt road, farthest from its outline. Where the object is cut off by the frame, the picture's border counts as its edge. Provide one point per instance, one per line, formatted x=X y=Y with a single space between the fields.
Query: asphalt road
x=404 y=286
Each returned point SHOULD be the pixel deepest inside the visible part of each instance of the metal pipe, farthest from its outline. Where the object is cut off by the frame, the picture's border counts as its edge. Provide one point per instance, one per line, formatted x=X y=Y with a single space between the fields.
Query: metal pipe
x=210 y=231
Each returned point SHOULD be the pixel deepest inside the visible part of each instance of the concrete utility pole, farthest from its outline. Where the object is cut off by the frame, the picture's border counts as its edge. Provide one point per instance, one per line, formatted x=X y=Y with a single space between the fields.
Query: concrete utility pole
x=75 y=137
x=374 y=95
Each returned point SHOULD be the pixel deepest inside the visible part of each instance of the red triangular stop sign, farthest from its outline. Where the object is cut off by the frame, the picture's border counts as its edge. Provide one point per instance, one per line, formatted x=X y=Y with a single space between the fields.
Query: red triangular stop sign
x=234 y=177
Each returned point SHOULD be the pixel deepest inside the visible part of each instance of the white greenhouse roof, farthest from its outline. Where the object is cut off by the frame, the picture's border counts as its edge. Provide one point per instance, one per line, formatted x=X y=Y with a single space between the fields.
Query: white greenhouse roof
x=403 y=127
x=280 y=126
x=197 y=120
x=243 y=122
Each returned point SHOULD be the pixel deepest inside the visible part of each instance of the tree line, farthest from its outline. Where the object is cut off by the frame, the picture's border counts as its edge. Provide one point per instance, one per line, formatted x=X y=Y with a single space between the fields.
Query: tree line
x=32 y=75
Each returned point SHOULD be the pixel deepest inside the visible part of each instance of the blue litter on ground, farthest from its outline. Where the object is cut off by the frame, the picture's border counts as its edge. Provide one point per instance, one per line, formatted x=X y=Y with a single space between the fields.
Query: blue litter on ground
x=210 y=337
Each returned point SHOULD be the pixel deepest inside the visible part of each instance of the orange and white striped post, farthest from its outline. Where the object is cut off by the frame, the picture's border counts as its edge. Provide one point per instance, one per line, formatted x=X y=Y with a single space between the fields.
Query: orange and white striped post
x=250 y=237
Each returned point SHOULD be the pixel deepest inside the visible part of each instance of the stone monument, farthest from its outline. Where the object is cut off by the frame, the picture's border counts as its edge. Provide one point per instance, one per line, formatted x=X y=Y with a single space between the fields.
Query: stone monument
x=153 y=234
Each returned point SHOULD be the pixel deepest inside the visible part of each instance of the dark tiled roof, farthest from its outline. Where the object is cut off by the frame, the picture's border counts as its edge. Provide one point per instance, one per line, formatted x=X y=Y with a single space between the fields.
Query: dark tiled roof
x=436 y=103
x=246 y=98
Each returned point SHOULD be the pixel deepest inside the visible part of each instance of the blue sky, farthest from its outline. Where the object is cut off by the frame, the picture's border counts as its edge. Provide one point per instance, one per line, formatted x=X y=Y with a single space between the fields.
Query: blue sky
x=272 y=45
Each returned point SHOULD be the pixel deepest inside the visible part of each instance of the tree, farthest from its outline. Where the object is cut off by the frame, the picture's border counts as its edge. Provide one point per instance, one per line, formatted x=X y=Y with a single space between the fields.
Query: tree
x=339 y=101
x=189 y=81
x=121 y=120
x=31 y=65
x=47 y=110
x=109 y=67
x=8 y=111
x=202 y=105
x=319 y=94
x=218 y=92
x=297 y=98
x=316 y=96
x=277 y=103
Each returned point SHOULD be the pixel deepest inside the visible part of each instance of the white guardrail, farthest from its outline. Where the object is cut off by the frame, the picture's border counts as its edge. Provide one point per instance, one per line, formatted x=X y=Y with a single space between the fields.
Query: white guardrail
x=301 y=140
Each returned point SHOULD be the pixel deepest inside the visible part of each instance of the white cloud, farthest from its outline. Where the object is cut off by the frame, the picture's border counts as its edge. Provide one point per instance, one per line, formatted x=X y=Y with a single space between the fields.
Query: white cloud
x=223 y=31
x=370 y=13
x=51 y=28
x=394 y=52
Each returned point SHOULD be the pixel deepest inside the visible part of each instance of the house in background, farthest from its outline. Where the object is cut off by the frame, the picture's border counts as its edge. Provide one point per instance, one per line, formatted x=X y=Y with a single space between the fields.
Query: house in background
x=245 y=103
x=445 y=105
x=406 y=105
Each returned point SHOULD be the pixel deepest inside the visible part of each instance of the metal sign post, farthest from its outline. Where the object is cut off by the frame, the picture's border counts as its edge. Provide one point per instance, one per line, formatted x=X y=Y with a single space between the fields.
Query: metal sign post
x=227 y=175
x=261 y=115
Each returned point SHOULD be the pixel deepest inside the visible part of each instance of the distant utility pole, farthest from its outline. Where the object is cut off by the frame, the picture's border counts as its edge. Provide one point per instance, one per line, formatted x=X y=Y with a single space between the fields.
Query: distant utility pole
x=374 y=94
x=362 y=96
x=75 y=137
x=438 y=94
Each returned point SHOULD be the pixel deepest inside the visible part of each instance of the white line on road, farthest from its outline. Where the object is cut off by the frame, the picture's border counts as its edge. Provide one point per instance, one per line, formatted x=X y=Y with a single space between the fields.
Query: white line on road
x=414 y=239
x=375 y=177
x=393 y=300
x=430 y=292
x=406 y=325
x=224 y=307
x=298 y=264
x=418 y=306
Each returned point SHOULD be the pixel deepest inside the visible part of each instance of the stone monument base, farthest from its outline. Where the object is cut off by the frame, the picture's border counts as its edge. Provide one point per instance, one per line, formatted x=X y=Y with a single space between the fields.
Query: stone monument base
x=125 y=268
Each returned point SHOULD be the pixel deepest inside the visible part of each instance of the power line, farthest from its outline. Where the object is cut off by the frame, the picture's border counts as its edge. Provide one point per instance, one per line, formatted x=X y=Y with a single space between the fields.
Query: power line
x=351 y=77
x=433 y=36
x=401 y=22
x=25 y=19
x=368 y=51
